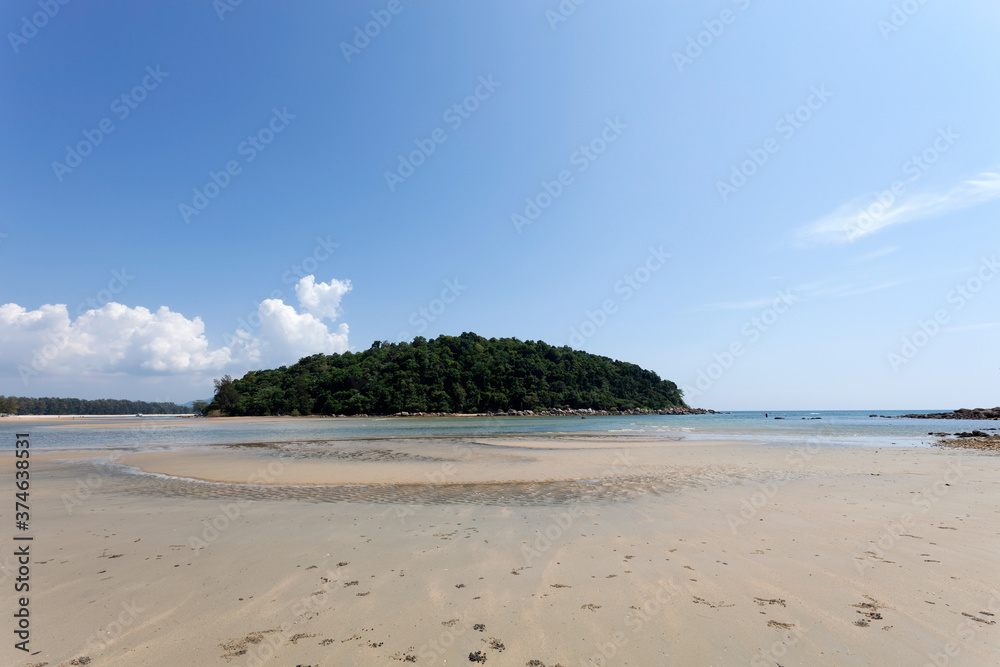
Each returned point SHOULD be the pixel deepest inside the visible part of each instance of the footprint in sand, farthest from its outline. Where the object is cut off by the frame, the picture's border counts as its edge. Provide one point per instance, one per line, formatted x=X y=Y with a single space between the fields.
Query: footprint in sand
x=698 y=600
x=763 y=601
x=980 y=620
x=405 y=657
x=238 y=647
x=869 y=611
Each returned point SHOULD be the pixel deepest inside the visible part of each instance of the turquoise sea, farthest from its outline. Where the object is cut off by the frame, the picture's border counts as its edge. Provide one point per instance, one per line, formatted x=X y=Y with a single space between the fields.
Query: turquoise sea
x=855 y=428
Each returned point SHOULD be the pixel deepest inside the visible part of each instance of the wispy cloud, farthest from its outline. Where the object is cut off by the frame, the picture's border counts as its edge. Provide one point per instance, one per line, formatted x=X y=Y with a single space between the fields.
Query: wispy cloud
x=802 y=292
x=861 y=217
x=878 y=253
x=855 y=291
x=972 y=327
x=749 y=304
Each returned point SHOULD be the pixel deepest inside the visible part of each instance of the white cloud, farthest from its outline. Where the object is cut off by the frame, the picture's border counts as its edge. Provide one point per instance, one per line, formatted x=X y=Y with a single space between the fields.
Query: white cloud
x=865 y=216
x=135 y=341
x=321 y=300
x=110 y=339
x=286 y=336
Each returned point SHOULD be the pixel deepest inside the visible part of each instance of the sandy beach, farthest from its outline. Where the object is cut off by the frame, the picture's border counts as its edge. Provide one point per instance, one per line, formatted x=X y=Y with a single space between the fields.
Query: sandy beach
x=569 y=550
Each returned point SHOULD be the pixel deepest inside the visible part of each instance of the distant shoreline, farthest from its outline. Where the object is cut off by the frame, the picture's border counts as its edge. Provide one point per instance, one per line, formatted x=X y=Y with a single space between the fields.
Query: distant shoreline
x=583 y=412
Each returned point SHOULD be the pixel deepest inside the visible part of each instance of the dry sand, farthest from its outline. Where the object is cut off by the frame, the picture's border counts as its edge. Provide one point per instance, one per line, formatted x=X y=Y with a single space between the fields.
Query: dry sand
x=560 y=551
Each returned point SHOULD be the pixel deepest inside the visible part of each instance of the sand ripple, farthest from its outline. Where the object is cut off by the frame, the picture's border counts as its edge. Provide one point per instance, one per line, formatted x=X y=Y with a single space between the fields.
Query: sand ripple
x=535 y=493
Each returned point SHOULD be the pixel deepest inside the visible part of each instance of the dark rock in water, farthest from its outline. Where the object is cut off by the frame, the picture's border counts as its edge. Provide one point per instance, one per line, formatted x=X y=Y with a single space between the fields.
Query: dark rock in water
x=963 y=413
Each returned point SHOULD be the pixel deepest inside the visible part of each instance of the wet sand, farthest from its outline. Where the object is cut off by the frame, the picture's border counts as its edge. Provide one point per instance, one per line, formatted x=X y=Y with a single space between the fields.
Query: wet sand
x=515 y=551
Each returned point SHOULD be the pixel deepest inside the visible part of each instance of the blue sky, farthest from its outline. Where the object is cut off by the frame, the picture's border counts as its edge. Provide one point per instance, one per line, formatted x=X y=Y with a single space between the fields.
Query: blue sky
x=678 y=184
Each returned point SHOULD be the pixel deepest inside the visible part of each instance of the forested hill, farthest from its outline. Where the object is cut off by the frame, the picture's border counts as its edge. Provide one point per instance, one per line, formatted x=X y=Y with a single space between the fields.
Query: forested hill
x=464 y=374
x=78 y=406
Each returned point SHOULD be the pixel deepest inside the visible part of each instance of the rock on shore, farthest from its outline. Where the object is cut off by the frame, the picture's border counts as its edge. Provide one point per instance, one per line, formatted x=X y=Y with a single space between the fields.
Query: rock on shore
x=974 y=440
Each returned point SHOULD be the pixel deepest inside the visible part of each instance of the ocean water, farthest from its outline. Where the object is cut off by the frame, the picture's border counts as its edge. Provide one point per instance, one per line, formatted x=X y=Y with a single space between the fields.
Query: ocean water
x=855 y=428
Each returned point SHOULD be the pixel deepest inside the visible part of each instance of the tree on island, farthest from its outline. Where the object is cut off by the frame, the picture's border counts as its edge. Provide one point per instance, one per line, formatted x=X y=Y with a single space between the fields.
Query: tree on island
x=226 y=396
x=451 y=374
x=8 y=406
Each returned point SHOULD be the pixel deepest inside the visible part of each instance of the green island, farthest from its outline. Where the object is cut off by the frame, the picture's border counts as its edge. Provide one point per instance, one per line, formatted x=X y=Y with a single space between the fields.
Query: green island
x=466 y=374
x=49 y=405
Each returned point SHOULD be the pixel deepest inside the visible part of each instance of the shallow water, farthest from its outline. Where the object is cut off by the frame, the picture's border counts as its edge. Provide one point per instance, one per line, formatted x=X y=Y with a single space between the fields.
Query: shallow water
x=832 y=428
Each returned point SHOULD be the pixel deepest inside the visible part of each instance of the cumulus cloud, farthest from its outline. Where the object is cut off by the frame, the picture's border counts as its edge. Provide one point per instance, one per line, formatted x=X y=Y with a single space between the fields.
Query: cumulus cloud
x=322 y=300
x=118 y=339
x=286 y=335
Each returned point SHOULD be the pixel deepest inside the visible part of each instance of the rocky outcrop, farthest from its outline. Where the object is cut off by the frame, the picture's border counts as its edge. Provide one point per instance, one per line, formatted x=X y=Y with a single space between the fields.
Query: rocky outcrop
x=972 y=440
x=964 y=413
